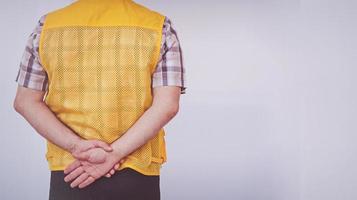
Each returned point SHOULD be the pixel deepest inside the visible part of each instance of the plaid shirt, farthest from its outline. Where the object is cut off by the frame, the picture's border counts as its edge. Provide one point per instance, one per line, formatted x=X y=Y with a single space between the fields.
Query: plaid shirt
x=169 y=70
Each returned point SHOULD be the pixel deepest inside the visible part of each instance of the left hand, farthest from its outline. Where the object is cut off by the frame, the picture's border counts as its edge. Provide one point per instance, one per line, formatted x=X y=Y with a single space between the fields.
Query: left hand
x=93 y=155
x=92 y=150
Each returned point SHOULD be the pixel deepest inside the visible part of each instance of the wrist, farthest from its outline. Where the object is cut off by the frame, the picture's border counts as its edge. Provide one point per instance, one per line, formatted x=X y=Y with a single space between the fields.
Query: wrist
x=73 y=145
x=117 y=154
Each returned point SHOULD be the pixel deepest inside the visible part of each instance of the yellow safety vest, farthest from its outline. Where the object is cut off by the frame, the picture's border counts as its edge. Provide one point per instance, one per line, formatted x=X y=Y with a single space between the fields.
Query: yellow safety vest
x=99 y=56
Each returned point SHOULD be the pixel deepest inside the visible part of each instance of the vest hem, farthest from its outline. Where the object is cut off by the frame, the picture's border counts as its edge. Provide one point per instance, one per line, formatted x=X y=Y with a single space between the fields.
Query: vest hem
x=61 y=168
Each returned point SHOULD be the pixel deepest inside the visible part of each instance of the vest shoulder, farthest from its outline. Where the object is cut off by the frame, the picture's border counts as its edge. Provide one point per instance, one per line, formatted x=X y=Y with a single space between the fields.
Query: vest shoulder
x=59 y=15
x=148 y=16
x=60 y=11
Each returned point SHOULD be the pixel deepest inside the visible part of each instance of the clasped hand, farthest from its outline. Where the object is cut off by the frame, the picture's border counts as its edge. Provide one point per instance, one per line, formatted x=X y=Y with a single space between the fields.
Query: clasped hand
x=94 y=159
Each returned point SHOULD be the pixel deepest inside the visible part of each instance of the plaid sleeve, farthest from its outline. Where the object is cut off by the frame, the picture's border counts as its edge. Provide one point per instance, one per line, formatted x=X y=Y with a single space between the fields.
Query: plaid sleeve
x=170 y=69
x=30 y=73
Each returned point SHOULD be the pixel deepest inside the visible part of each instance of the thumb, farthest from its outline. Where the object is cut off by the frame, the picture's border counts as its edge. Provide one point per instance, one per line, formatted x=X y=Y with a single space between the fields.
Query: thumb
x=103 y=145
x=82 y=155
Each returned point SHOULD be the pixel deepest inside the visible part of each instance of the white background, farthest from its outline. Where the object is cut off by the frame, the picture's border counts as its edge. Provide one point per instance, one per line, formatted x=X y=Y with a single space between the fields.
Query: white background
x=270 y=110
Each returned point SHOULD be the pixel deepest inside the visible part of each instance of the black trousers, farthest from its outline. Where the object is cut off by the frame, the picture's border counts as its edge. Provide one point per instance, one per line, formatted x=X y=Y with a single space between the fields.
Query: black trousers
x=126 y=184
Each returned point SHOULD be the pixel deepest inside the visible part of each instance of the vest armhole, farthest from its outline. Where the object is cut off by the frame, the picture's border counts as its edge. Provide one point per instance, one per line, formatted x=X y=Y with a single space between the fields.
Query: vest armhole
x=158 y=44
x=40 y=45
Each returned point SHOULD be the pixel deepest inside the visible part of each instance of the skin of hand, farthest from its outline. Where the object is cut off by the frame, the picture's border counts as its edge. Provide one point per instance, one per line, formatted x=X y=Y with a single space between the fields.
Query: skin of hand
x=164 y=108
x=85 y=172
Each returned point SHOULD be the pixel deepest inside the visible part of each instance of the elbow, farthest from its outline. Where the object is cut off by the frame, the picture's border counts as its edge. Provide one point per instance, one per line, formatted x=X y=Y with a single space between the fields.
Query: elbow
x=26 y=99
x=17 y=105
x=173 y=109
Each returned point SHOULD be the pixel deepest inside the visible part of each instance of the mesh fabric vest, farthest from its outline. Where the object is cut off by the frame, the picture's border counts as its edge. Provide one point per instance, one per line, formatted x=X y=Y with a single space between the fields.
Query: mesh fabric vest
x=99 y=56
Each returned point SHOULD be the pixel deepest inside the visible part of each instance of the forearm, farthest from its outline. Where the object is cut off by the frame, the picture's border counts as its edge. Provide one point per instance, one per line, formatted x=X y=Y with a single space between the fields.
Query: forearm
x=144 y=129
x=44 y=121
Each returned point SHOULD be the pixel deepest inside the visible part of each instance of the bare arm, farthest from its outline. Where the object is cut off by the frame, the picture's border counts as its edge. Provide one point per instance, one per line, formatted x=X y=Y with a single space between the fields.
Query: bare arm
x=29 y=103
x=164 y=107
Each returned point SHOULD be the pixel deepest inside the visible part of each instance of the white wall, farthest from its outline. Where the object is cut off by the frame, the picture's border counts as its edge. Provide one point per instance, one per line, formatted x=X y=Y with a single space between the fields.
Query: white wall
x=270 y=110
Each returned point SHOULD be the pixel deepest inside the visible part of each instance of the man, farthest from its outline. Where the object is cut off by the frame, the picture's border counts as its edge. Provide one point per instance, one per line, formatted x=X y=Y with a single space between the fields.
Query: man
x=101 y=78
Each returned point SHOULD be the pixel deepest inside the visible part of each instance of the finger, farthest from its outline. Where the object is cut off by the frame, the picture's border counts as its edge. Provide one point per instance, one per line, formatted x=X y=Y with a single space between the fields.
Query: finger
x=74 y=174
x=113 y=170
x=79 y=179
x=72 y=166
x=122 y=161
x=85 y=183
x=103 y=145
x=108 y=175
x=116 y=166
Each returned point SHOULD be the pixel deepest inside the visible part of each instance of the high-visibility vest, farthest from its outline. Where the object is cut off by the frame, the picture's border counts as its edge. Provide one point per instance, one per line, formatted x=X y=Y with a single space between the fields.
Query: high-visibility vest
x=99 y=56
